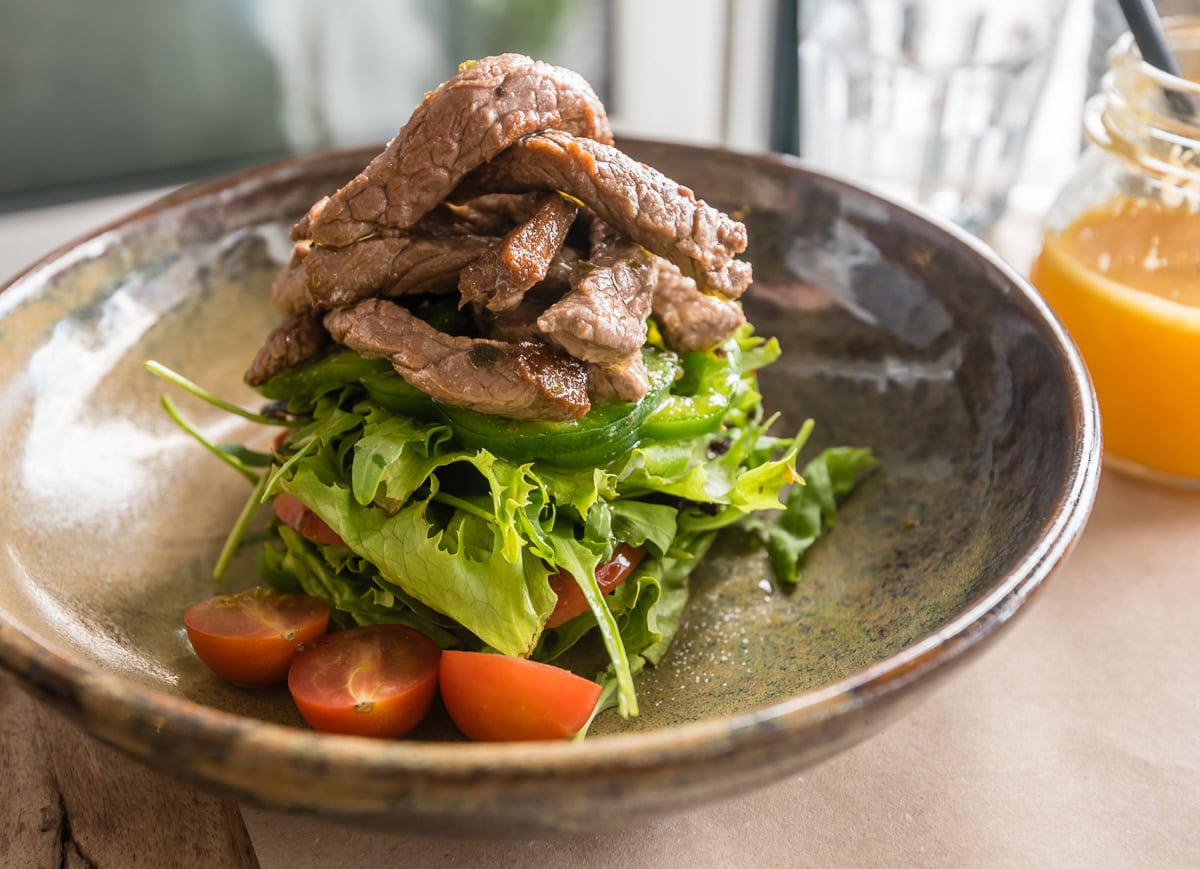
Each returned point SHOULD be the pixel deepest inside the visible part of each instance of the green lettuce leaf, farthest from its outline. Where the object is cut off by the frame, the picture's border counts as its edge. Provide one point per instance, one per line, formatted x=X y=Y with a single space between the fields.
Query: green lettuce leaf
x=675 y=570
x=737 y=474
x=397 y=457
x=578 y=489
x=642 y=523
x=460 y=570
x=393 y=459
x=355 y=598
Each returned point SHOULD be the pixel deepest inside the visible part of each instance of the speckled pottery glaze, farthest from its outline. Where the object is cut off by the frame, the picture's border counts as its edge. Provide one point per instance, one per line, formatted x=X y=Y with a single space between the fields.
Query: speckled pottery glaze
x=898 y=332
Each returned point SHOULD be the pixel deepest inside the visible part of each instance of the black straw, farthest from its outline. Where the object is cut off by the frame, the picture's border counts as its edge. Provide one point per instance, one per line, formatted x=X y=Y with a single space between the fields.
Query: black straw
x=1147 y=31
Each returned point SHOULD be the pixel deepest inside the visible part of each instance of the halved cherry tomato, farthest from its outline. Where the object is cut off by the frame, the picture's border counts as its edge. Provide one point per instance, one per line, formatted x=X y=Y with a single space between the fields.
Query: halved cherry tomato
x=496 y=698
x=251 y=637
x=376 y=680
x=295 y=515
x=609 y=575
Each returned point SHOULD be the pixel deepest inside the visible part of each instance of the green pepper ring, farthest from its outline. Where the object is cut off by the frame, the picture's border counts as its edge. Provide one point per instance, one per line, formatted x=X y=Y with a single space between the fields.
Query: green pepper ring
x=700 y=399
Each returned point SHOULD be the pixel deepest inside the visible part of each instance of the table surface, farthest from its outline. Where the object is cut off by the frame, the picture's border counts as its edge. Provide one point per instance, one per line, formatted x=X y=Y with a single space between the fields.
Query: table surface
x=1071 y=742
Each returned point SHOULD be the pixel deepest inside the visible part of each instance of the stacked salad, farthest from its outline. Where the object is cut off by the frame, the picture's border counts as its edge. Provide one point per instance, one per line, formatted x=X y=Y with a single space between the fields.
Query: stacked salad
x=518 y=401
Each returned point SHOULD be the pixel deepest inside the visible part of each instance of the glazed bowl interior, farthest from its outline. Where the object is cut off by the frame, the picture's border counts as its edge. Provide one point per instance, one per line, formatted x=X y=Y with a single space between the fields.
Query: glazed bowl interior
x=898 y=333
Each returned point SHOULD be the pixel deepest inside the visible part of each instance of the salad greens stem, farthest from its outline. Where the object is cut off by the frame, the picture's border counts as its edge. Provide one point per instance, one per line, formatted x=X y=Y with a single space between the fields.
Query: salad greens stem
x=203 y=394
x=606 y=700
x=464 y=505
x=239 y=529
x=697 y=523
x=229 y=459
x=273 y=479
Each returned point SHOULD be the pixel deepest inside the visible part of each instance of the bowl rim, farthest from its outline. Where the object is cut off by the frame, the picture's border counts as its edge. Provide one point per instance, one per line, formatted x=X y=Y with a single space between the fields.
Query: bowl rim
x=110 y=699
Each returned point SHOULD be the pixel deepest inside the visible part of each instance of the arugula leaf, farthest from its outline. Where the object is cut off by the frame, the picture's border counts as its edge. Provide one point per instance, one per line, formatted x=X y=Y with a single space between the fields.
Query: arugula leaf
x=228 y=456
x=160 y=370
x=238 y=531
x=610 y=688
x=248 y=457
x=811 y=507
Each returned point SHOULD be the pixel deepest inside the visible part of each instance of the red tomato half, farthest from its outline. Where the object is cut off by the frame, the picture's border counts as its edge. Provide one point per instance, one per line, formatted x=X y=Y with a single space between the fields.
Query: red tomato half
x=609 y=575
x=251 y=637
x=376 y=680
x=295 y=515
x=495 y=698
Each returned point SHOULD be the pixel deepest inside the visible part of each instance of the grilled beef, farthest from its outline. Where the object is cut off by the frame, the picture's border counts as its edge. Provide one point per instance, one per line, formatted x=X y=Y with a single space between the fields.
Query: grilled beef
x=491 y=214
x=297 y=339
x=626 y=380
x=289 y=290
x=690 y=319
x=519 y=324
x=603 y=318
x=389 y=267
x=642 y=203
x=462 y=124
x=500 y=278
x=482 y=190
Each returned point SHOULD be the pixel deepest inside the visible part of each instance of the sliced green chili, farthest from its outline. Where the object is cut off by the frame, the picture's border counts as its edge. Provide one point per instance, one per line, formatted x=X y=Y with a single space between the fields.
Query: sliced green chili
x=699 y=400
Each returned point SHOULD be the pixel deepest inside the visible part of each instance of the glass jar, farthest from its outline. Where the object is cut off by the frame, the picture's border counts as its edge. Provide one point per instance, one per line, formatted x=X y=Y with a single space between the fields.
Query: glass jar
x=1120 y=262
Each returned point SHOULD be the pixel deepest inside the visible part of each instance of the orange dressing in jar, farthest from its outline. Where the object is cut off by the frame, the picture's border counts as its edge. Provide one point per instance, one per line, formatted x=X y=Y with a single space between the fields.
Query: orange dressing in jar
x=1120 y=263
x=1124 y=278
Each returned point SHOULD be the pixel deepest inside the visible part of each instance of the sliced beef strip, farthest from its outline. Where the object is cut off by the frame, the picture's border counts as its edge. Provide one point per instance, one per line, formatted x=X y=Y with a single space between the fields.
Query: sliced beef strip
x=500 y=278
x=642 y=203
x=691 y=320
x=528 y=380
x=324 y=278
x=297 y=339
x=289 y=290
x=462 y=124
x=603 y=318
x=627 y=380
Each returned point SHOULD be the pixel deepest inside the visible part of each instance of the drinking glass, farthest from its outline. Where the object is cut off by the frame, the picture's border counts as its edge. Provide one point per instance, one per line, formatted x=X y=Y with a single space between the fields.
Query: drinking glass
x=926 y=100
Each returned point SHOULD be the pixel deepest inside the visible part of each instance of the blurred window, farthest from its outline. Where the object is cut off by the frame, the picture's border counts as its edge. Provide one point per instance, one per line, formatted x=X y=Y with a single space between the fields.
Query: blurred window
x=102 y=96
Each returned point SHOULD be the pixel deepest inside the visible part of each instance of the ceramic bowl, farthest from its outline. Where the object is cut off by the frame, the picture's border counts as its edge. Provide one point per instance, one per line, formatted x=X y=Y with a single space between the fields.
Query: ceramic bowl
x=899 y=332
